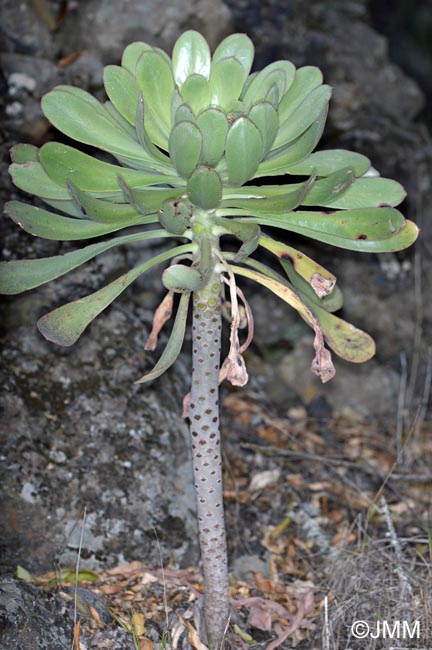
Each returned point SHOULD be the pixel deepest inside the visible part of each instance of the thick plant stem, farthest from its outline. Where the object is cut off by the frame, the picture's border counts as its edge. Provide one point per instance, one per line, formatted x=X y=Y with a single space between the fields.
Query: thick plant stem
x=207 y=458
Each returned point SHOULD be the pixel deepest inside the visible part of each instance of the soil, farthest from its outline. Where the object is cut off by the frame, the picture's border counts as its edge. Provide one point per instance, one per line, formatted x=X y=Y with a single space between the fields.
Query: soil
x=327 y=488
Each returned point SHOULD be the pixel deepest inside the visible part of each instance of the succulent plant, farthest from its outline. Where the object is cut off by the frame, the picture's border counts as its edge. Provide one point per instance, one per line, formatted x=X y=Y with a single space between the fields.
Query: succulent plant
x=187 y=136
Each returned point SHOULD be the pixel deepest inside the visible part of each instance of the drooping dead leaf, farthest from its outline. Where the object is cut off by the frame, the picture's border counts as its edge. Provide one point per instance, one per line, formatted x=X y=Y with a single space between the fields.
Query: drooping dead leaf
x=322 y=286
x=162 y=314
x=322 y=364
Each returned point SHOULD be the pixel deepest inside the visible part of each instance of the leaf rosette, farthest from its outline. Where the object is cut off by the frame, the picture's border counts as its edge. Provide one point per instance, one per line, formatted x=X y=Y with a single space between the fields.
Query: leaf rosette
x=190 y=139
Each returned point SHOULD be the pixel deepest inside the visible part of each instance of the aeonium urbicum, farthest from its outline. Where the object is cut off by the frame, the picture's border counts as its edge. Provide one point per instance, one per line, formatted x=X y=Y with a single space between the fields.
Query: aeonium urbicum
x=188 y=135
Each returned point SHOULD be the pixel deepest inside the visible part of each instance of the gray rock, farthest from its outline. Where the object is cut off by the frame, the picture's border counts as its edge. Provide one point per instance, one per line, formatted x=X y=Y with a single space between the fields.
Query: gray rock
x=78 y=435
x=366 y=388
x=107 y=27
x=32 y=618
x=23 y=31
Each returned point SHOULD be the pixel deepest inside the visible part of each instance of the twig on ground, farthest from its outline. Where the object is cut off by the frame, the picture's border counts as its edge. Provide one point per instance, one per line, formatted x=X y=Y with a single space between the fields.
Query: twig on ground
x=405 y=584
x=75 y=642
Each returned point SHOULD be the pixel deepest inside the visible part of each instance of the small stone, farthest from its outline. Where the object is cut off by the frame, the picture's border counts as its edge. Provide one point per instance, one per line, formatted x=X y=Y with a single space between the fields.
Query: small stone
x=14 y=109
x=21 y=80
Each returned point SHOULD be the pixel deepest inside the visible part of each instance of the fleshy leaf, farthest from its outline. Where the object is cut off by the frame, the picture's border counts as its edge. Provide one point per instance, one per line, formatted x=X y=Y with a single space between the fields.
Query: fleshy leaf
x=86 y=120
x=306 y=80
x=20 y=275
x=247 y=233
x=191 y=55
x=213 y=125
x=32 y=178
x=302 y=264
x=267 y=199
x=238 y=46
x=226 y=82
x=205 y=188
x=175 y=342
x=132 y=54
x=48 y=225
x=346 y=340
x=327 y=190
x=123 y=91
x=373 y=230
x=185 y=147
x=265 y=118
x=180 y=278
x=65 y=324
x=280 y=73
x=23 y=153
x=196 y=92
x=156 y=82
x=244 y=148
x=279 y=160
x=152 y=151
x=324 y=163
x=305 y=114
x=105 y=212
x=65 y=164
x=369 y=193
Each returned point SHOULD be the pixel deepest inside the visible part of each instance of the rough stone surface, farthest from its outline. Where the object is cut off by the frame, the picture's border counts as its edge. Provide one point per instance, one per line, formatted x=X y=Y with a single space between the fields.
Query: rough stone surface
x=107 y=27
x=372 y=389
x=80 y=436
x=31 y=618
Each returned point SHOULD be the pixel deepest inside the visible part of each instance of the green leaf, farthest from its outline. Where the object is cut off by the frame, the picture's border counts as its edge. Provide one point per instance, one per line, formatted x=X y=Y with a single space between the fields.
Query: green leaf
x=196 y=92
x=123 y=91
x=243 y=151
x=156 y=82
x=303 y=116
x=175 y=342
x=180 y=278
x=278 y=161
x=329 y=189
x=121 y=122
x=86 y=120
x=238 y=46
x=265 y=118
x=152 y=151
x=281 y=73
x=21 y=275
x=185 y=147
x=369 y=192
x=305 y=81
x=213 y=125
x=184 y=113
x=32 y=178
x=346 y=340
x=48 y=225
x=248 y=233
x=205 y=188
x=302 y=264
x=268 y=198
x=23 y=574
x=374 y=230
x=331 y=302
x=65 y=324
x=64 y=164
x=191 y=55
x=324 y=163
x=105 y=212
x=151 y=200
x=23 y=153
x=226 y=82
x=132 y=54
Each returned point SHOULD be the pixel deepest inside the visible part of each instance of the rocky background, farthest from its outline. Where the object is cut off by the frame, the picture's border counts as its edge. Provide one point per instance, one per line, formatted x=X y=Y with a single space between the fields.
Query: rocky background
x=77 y=436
